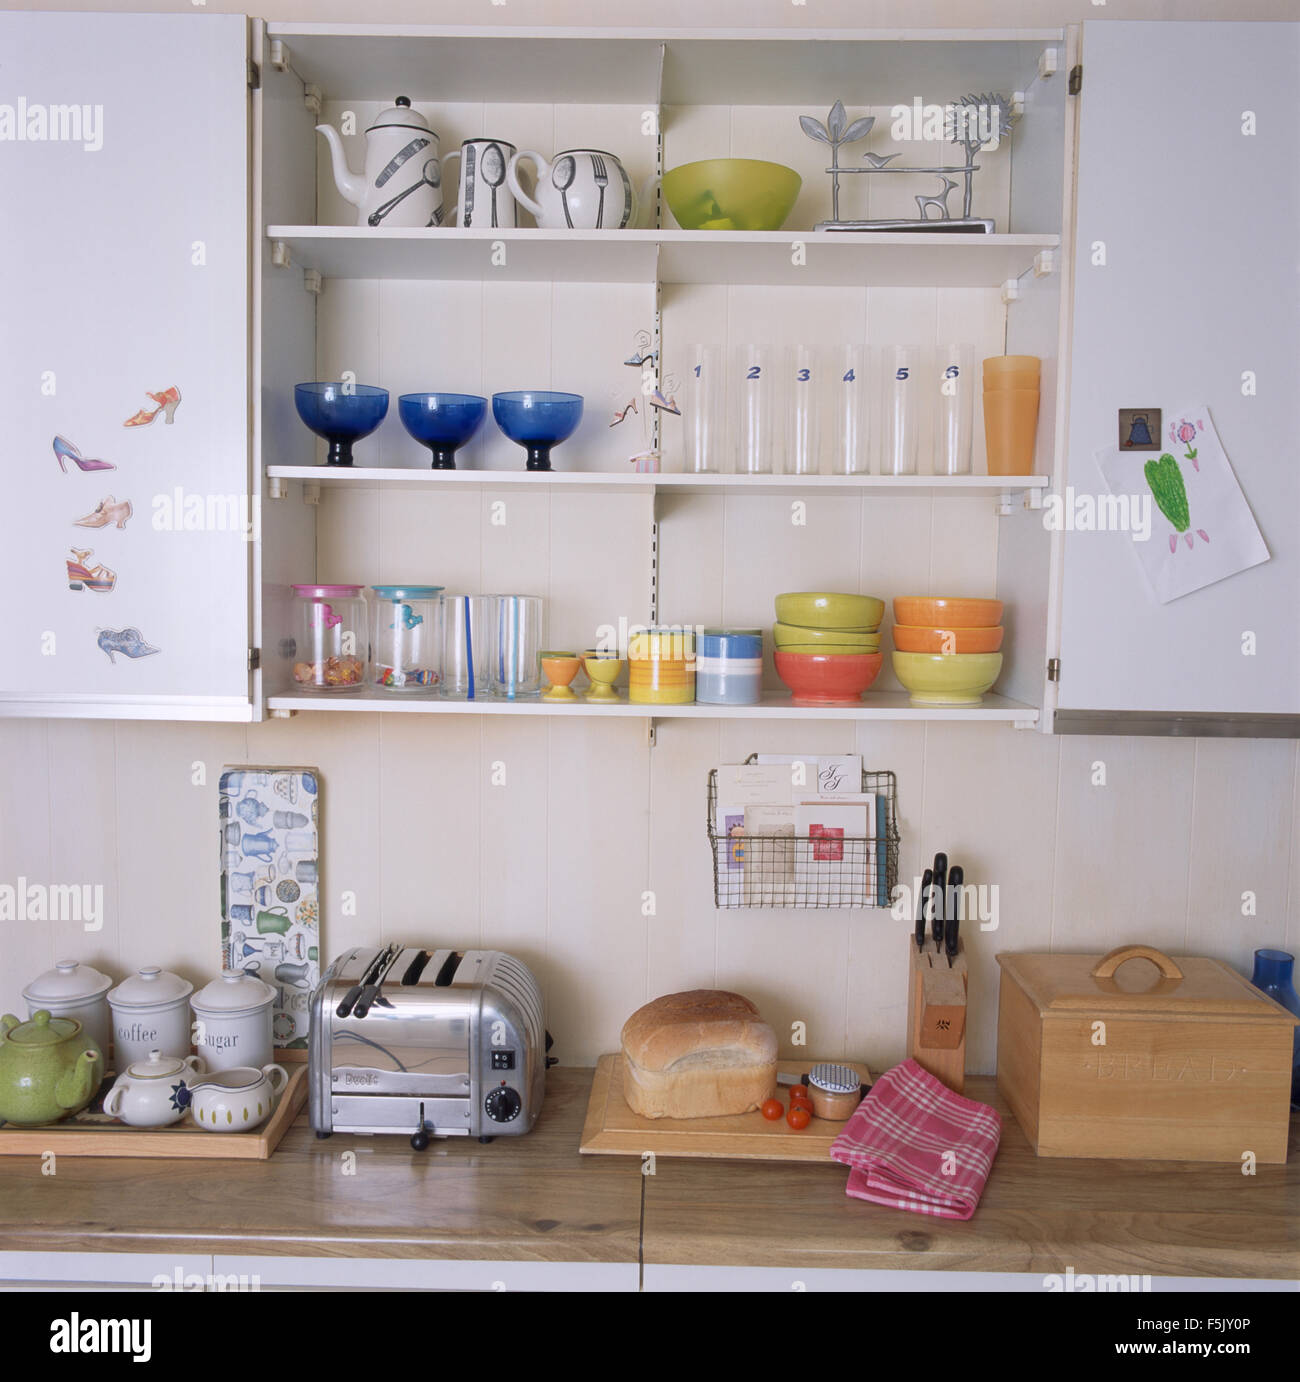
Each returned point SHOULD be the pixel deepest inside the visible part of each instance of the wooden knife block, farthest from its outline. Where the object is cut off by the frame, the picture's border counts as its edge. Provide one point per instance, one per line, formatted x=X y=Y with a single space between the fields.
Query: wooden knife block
x=936 y=1013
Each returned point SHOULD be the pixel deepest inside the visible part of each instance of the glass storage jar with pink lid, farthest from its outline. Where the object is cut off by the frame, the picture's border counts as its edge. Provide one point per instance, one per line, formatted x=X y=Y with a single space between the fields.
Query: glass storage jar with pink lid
x=331 y=646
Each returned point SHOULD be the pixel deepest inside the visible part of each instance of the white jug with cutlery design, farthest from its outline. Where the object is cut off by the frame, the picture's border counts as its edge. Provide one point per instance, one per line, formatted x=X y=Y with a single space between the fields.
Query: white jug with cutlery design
x=581 y=189
x=402 y=181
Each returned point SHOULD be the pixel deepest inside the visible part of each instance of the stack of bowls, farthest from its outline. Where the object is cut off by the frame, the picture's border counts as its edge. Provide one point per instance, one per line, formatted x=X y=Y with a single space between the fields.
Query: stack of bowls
x=947 y=647
x=827 y=645
x=1011 y=387
x=661 y=667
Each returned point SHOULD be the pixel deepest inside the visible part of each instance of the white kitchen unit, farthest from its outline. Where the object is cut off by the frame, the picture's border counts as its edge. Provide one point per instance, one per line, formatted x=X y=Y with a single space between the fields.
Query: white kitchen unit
x=1185 y=298
x=478 y=310
x=125 y=238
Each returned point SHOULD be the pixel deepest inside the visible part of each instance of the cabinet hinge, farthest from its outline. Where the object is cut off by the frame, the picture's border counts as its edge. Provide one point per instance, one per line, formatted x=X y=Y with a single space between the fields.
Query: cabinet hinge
x=1053 y=669
x=1076 y=79
x=254 y=75
x=254 y=659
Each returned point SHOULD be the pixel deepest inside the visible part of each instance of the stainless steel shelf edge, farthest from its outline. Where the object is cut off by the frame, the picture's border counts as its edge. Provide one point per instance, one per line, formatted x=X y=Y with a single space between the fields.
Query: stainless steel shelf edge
x=1171 y=724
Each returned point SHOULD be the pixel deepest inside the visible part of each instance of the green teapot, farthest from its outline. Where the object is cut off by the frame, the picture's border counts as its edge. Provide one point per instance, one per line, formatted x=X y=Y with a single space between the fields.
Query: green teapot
x=49 y=1068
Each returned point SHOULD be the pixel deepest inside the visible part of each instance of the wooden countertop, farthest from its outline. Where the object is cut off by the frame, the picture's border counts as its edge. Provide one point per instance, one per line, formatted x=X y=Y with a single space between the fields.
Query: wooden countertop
x=537 y=1199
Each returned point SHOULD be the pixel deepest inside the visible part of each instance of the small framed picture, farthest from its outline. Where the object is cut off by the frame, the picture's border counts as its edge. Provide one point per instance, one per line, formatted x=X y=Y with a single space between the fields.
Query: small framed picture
x=1139 y=429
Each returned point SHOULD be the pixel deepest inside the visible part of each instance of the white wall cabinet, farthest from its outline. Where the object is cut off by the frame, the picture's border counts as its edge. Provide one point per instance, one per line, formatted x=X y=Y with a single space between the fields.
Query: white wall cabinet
x=124 y=235
x=1185 y=296
x=480 y=311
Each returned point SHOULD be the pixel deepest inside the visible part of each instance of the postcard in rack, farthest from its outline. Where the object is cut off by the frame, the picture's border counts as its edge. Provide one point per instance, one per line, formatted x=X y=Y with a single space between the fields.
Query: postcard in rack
x=839 y=775
x=769 y=855
x=835 y=862
x=755 y=784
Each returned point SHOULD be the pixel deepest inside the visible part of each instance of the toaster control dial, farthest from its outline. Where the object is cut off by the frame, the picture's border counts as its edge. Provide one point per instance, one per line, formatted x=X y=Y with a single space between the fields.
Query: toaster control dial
x=503 y=1104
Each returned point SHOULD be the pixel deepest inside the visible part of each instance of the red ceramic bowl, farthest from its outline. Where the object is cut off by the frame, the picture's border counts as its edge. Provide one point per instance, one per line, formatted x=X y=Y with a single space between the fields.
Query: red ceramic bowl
x=828 y=678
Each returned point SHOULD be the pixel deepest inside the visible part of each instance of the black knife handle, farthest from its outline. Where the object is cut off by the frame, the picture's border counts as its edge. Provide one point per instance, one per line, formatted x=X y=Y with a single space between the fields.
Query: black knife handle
x=927 y=878
x=955 y=880
x=940 y=896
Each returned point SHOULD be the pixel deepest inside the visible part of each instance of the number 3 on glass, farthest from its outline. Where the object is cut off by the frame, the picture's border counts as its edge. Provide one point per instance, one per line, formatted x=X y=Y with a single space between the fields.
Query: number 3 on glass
x=804 y=376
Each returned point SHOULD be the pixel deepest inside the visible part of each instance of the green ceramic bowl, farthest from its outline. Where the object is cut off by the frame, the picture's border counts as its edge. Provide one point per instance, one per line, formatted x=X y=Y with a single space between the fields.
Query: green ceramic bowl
x=850 y=640
x=731 y=194
x=947 y=679
x=819 y=609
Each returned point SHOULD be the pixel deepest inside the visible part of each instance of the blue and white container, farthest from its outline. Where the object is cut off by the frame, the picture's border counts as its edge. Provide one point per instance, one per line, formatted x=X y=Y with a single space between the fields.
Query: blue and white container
x=729 y=667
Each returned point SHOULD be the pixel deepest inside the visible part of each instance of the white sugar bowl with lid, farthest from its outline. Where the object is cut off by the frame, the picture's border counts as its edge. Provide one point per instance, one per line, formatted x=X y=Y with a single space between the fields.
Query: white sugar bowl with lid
x=232 y=1021
x=155 y=1092
x=77 y=991
x=151 y=1012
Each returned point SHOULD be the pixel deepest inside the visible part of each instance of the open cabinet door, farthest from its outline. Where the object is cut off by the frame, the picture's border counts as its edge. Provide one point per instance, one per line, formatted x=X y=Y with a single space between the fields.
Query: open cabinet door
x=124 y=297
x=1186 y=300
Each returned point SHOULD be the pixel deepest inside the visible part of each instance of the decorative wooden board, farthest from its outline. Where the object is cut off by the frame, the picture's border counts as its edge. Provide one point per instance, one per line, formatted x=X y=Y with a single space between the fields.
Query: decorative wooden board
x=92 y=1134
x=613 y=1129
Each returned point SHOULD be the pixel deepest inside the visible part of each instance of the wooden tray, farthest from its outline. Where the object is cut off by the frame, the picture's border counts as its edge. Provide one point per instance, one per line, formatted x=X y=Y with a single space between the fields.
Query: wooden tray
x=613 y=1129
x=92 y=1134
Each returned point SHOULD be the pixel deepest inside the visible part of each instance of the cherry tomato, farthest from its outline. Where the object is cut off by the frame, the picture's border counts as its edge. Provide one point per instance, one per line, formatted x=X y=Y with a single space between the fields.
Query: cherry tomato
x=772 y=1109
x=799 y=1091
x=798 y=1117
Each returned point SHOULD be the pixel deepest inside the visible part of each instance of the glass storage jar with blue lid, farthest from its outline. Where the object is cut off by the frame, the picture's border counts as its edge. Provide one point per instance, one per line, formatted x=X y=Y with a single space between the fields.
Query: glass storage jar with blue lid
x=406 y=638
x=729 y=667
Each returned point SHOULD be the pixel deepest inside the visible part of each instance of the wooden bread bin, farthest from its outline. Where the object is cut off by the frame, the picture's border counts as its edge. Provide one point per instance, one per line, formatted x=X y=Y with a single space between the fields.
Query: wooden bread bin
x=1133 y=1054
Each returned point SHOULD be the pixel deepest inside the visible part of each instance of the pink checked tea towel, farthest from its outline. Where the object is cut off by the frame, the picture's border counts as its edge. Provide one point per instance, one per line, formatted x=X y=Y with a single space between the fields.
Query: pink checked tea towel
x=914 y=1144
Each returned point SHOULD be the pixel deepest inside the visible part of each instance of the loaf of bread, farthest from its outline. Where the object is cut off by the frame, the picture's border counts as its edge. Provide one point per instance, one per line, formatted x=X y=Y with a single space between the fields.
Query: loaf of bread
x=699 y=1054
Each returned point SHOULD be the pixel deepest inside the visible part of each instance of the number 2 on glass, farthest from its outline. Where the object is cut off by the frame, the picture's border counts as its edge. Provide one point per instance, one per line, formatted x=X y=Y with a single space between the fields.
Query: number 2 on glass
x=754 y=372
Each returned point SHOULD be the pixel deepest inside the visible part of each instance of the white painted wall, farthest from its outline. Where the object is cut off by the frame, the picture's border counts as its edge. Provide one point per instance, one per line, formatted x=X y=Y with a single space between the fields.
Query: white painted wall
x=552 y=866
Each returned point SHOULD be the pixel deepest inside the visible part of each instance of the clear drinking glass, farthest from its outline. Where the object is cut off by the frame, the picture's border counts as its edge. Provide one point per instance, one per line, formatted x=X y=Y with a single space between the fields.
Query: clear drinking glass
x=703 y=449
x=953 y=379
x=803 y=434
x=755 y=384
x=850 y=394
x=467 y=643
x=517 y=646
x=902 y=382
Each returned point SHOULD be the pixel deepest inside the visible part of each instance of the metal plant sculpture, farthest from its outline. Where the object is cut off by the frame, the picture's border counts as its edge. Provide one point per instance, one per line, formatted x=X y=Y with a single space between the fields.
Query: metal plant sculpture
x=974 y=122
x=836 y=132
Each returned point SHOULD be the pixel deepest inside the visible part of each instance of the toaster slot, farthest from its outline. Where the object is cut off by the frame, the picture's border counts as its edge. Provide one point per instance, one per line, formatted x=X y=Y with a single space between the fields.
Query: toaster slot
x=415 y=969
x=448 y=971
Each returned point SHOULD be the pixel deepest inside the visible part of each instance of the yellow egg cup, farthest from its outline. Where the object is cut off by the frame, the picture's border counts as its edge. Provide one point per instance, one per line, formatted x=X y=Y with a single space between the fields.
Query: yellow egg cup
x=603 y=673
x=560 y=669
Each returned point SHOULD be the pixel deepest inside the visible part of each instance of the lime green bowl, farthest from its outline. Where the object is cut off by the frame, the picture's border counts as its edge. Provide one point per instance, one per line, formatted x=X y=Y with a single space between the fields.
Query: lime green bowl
x=731 y=194
x=819 y=609
x=947 y=678
x=788 y=635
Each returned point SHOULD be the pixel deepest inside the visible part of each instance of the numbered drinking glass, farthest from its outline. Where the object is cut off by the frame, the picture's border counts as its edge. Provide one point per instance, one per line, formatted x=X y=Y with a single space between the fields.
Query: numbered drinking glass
x=703 y=449
x=953 y=392
x=849 y=410
x=467 y=644
x=755 y=385
x=901 y=372
x=803 y=416
x=517 y=646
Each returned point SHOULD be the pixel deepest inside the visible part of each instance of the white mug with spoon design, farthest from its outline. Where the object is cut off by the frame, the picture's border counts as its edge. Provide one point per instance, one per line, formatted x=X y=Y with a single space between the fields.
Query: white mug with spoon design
x=581 y=189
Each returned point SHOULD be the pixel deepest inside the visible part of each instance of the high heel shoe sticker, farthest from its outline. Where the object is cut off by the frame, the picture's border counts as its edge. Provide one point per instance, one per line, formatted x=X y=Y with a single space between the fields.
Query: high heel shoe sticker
x=168 y=401
x=105 y=512
x=125 y=641
x=83 y=576
x=621 y=413
x=64 y=451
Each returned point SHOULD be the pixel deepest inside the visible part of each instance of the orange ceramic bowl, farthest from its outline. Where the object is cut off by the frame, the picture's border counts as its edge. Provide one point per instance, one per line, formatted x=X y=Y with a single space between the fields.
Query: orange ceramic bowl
x=908 y=639
x=828 y=678
x=946 y=612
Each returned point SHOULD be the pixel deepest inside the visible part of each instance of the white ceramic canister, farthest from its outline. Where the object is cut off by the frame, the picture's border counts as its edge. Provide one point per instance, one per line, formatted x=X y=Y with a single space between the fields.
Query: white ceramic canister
x=232 y=1021
x=154 y=1092
x=78 y=991
x=151 y=1012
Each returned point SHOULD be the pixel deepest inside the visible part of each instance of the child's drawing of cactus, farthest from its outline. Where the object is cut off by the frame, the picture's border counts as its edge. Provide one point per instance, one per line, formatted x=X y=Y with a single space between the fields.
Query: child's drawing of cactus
x=1165 y=480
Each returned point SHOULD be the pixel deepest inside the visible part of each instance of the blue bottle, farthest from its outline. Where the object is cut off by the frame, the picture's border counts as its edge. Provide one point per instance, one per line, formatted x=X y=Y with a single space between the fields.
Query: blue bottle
x=1273 y=970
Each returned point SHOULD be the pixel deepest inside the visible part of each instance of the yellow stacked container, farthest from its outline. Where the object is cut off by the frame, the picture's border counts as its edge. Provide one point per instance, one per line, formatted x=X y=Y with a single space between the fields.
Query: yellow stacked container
x=661 y=667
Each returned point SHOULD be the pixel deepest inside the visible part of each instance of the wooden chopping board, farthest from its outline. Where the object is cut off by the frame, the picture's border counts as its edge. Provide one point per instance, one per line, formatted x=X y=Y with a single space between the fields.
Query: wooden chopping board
x=613 y=1129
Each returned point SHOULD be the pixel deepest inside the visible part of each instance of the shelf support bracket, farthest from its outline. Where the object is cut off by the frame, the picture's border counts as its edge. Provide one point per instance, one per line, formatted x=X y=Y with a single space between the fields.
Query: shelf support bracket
x=1011 y=291
x=283 y=714
x=1044 y=263
x=311 y=280
x=1049 y=62
x=276 y=487
x=280 y=255
x=651 y=732
x=311 y=493
x=311 y=98
x=279 y=55
x=1033 y=499
x=1005 y=506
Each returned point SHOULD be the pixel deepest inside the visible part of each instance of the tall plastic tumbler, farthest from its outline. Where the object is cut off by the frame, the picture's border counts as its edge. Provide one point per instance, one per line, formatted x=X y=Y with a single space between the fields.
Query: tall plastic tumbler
x=953 y=383
x=850 y=391
x=804 y=413
x=902 y=384
x=754 y=385
x=704 y=451
x=517 y=647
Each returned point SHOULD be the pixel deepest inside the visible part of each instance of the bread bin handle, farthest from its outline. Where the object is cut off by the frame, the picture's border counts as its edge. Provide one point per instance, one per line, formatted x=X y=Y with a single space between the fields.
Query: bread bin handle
x=1108 y=964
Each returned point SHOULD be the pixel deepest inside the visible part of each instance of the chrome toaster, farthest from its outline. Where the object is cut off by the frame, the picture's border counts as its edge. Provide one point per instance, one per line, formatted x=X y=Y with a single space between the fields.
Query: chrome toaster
x=427 y=1042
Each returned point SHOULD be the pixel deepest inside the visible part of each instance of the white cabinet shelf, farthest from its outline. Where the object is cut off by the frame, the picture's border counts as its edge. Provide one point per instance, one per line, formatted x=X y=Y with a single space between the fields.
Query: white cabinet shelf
x=833 y=259
x=876 y=705
x=617 y=482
